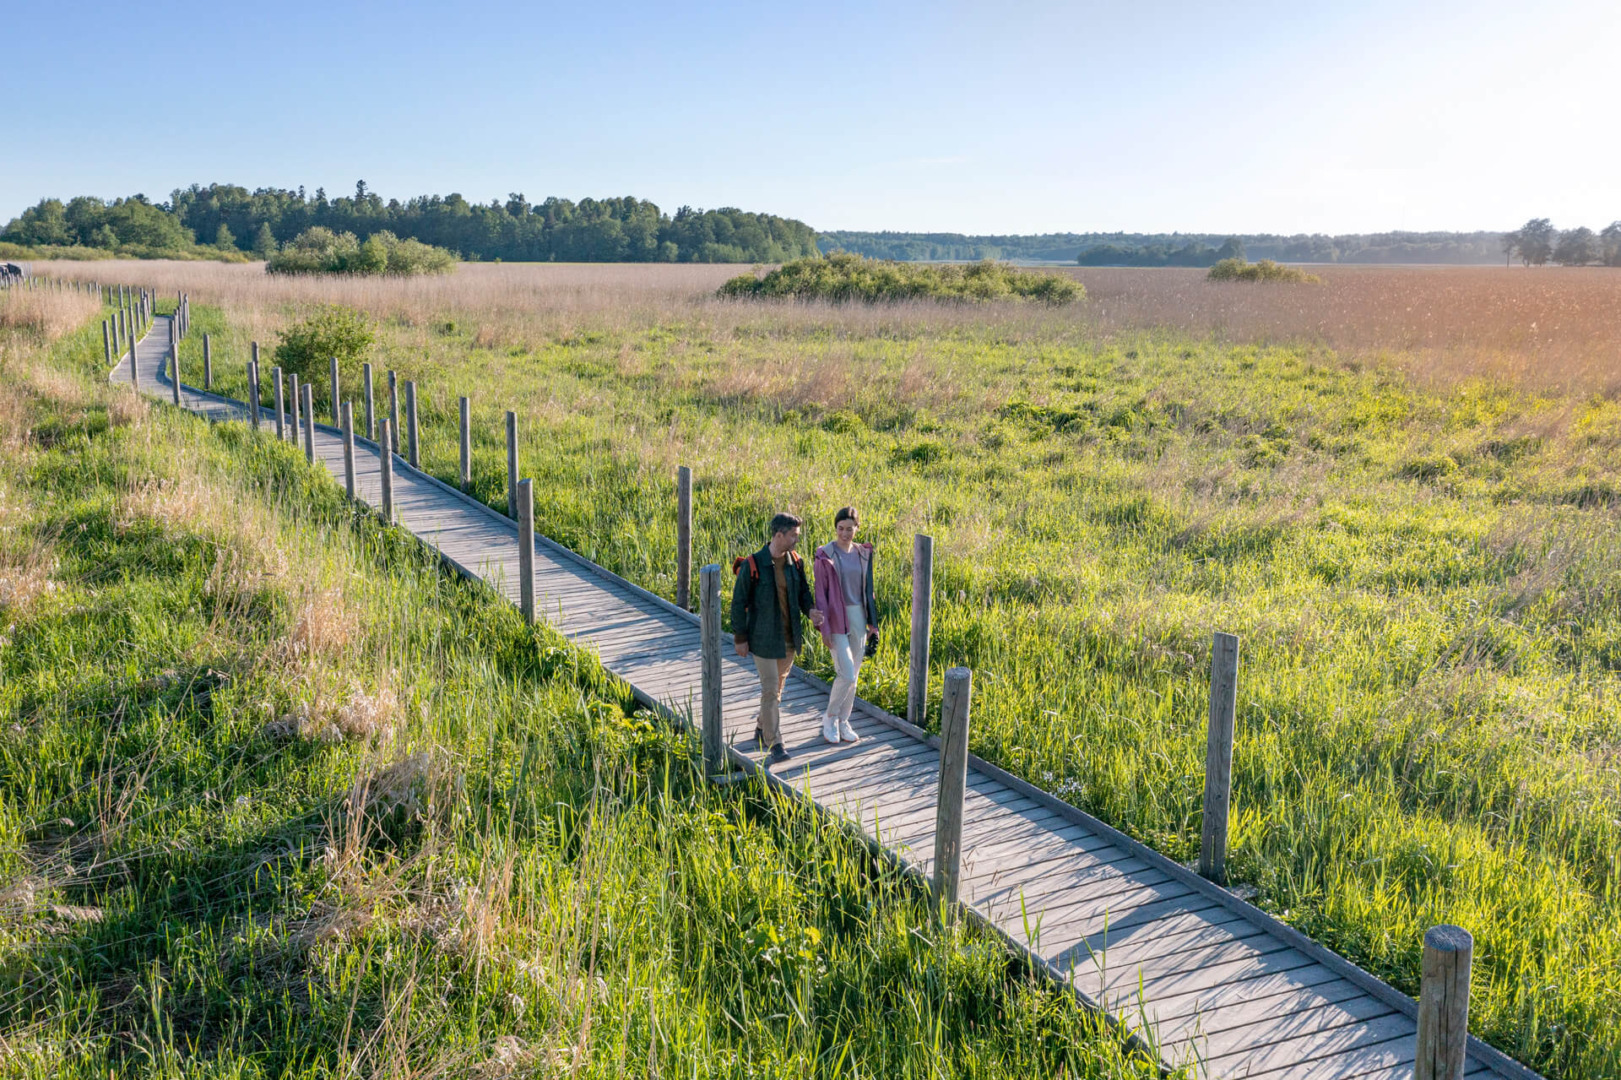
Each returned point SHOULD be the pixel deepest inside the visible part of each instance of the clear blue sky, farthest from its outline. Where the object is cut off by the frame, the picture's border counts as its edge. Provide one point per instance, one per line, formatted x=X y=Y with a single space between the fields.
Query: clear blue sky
x=998 y=117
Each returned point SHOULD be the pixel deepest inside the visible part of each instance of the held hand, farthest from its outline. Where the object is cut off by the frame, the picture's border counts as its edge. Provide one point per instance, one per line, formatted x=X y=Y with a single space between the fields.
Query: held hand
x=742 y=647
x=817 y=618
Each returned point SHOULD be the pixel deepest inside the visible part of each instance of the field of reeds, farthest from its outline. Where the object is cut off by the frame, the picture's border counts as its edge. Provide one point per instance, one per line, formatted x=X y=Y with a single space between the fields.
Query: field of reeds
x=278 y=797
x=1398 y=487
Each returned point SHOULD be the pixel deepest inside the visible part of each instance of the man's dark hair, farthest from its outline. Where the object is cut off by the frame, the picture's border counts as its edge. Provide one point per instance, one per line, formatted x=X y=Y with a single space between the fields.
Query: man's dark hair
x=846 y=513
x=784 y=522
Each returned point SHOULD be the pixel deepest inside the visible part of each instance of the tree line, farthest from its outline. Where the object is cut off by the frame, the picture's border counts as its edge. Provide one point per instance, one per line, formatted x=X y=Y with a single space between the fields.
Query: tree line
x=1537 y=242
x=231 y=219
x=1174 y=249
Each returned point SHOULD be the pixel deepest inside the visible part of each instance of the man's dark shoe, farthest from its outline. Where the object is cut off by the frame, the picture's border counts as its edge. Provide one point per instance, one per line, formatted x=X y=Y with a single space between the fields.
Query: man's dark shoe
x=778 y=754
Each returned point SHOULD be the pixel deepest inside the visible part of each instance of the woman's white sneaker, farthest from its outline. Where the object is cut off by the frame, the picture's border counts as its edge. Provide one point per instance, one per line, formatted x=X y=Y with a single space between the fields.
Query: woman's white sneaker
x=830 y=730
x=847 y=733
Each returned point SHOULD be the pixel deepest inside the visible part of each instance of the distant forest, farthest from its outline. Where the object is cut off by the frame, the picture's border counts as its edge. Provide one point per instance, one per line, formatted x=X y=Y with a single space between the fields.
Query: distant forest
x=232 y=219
x=1175 y=249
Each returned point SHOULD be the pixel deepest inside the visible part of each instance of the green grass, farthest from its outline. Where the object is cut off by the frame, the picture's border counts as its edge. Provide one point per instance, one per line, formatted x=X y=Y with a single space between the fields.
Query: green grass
x=843 y=277
x=1425 y=582
x=280 y=797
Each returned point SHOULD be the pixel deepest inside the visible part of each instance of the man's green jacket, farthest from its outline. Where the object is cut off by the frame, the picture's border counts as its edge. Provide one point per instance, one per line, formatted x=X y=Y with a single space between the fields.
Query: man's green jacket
x=756 y=619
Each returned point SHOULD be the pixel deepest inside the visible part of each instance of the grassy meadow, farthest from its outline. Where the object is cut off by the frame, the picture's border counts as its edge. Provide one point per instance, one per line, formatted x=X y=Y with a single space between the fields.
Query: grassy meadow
x=279 y=797
x=1397 y=487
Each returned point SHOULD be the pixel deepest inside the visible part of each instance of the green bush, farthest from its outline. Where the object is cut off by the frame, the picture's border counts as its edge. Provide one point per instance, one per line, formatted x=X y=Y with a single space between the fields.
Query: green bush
x=1265 y=270
x=842 y=277
x=304 y=349
x=319 y=250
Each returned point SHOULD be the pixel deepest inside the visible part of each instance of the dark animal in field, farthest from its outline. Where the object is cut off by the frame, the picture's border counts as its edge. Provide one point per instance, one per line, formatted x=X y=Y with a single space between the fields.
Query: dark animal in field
x=8 y=271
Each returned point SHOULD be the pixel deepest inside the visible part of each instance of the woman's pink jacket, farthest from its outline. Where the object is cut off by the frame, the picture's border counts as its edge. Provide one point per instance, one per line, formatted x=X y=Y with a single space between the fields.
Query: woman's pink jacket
x=830 y=595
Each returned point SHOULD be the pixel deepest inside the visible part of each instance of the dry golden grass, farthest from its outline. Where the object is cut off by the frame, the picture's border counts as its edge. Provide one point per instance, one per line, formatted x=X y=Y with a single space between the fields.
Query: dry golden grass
x=44 y=312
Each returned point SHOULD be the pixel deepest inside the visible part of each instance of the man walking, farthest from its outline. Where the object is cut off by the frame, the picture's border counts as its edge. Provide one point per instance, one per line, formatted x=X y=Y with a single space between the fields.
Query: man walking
x=769 y=598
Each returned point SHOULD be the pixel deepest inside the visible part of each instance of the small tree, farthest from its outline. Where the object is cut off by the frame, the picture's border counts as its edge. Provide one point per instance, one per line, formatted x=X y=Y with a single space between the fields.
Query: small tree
x=224 y=238
x=1534 y=241
x=1576 y=247
x=331 y=331
x=264 y=241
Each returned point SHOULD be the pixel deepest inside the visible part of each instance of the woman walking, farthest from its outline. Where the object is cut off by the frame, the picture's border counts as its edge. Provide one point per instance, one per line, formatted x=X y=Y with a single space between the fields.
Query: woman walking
x=849 y=617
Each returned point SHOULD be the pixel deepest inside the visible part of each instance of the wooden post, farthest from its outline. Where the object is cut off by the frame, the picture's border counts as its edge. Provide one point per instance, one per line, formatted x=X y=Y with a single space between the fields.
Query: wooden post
x=463 y=407
x=292 y=408
x=349 y=448
x=512 y=465
x=107 y=343
x=1218 y=764
x=394 y=411
x=709 y=633
x=371 y=404
x=385 y=458
x=174 y=369
x=526 y=549
x=411 y=423
x=134 y=372
x=953 y=788
x=337 y=402
x=683 y=538
x=917 y=685
x=253 y=392
x=309 y=423
x=208 y=363
x=1443 y=1004
x=281 y=410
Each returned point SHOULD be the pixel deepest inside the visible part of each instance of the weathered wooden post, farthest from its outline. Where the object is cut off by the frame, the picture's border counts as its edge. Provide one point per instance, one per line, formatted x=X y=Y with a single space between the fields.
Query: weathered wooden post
x=385 y=459
x=309 y=423
x=337 y=402
x=1218 y=764
x=349 y=448
x=512 y=465
x=953 y=789
x=107 y=343
x=281 y=412
x=709 y=633
x=394 y=411
x=462 y=408
x=411 y=423
x=1443 y=1004
x=292 y=408
x=174 y=370
x=134 y=372
x=917 y=685
x=253 y=392
x=683 y=538
x=526 y=549
x=371 y=404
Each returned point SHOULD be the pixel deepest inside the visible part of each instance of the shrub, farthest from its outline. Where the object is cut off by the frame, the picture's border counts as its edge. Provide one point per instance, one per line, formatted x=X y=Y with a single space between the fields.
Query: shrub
x=1265 y=270
x=319 y=250
x=343 y=332
x=841 y=277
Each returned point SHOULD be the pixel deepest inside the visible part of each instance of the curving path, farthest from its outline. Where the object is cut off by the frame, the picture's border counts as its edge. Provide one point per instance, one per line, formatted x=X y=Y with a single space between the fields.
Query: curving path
x=1208 y=979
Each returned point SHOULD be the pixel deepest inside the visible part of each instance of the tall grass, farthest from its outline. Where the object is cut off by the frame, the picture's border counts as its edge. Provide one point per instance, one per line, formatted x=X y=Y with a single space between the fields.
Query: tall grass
x=278 y=797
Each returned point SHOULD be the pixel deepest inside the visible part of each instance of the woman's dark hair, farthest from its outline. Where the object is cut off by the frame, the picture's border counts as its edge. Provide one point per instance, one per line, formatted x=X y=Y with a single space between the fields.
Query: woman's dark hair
x=847 y=513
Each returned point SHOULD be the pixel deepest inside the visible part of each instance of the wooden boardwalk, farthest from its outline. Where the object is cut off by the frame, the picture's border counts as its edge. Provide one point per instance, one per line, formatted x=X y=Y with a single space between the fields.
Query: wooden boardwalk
x=1210 y=980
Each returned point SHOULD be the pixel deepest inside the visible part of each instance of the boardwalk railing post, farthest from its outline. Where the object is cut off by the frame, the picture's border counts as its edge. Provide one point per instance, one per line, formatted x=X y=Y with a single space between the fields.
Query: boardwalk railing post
x=526 y=549
x=309 y=423
x=1218 y=765
x=253 y=392
x=462 y=407
x=683 y=538
x=107 y=342
x=709 y=628
x=411 y=423
x=371 y=404
x=292 y=408
x=1443 y=1004
x=394 y=412
x=134 y=372
x=917 y=685
x=385 y=458
x=512 y=465
x=276 y=379
x=208 y=363
x=349 y=448
x=337 y=402
x=953 y=787
x=174 y=369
